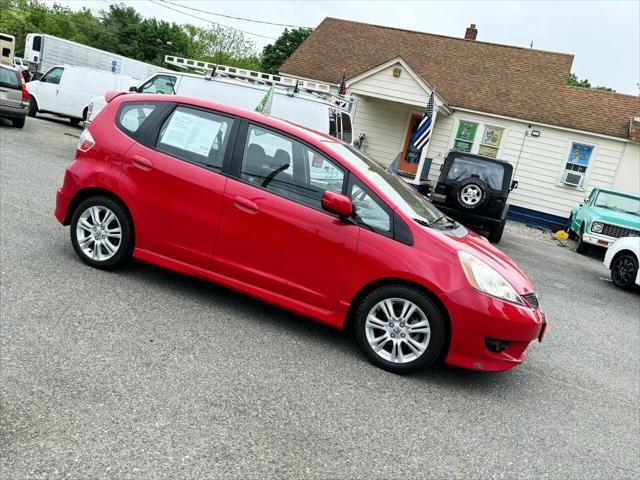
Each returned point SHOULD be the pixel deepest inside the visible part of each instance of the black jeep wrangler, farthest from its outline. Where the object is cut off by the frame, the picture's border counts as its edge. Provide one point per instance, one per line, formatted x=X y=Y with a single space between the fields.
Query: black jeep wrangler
x=473 y=190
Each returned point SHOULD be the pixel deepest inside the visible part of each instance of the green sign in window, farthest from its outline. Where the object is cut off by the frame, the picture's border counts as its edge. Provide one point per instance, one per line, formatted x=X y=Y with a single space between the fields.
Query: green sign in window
x=466 y=131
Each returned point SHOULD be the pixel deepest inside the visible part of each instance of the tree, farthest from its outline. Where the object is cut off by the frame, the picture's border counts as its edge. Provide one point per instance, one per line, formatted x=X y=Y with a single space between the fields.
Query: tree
x=218 y=44
x=274 y=55
x=576 y=82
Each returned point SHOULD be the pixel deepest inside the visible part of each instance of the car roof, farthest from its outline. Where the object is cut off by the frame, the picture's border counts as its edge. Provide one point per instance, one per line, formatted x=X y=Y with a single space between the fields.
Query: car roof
x=617 y=192
x=304 y=133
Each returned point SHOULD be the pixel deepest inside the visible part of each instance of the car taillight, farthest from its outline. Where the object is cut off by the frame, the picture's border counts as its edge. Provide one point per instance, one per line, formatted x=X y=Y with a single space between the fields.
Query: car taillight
x=25 y=92
x=86 y=141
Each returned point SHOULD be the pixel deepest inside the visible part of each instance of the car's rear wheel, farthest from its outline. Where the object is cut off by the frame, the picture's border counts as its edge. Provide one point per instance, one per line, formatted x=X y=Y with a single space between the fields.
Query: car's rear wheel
x=472 y=194
x=624 y=270
x=101 y=233
x=33 y=107
x=582 y=246
x=18 y=122
x=399 y=328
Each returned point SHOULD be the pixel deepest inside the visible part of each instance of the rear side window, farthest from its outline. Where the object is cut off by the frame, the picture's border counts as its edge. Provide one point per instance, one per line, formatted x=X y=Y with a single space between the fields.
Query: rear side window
x=9 y=79
x=195 y=136
x=132 y=115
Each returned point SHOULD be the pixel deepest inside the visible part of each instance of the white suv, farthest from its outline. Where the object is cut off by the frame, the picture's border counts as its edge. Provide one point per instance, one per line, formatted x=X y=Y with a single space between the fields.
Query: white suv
x=622 y=259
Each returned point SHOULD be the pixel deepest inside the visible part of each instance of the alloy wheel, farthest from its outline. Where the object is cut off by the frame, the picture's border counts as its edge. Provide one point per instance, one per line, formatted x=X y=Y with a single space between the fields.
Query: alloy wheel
x=397 y=330
x=471 y=194
x=623 y=271
x=99 y=233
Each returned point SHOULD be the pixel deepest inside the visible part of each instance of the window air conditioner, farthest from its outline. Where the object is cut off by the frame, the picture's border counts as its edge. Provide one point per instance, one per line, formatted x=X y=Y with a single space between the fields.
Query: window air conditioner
x=575 y=179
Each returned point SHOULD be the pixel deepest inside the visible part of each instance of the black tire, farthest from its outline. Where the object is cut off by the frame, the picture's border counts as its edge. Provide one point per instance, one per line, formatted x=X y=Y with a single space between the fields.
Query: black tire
x=17 y=122
x=125 y=244
x=495 y=234
x=582 y=246
x=33 y=107
x=571 y=233
x=433 y=314
x=475 y=185
x=624 y=270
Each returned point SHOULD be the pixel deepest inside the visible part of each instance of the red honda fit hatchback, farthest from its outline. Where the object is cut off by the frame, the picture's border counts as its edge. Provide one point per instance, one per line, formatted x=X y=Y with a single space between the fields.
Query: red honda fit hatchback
x=300 y=220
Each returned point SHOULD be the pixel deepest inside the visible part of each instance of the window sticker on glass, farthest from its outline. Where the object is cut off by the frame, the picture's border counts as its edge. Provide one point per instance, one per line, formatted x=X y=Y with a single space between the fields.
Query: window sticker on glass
x=190 y=132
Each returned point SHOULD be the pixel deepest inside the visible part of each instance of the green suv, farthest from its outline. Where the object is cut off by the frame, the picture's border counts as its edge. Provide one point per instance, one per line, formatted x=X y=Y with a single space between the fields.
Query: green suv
x=605 y=216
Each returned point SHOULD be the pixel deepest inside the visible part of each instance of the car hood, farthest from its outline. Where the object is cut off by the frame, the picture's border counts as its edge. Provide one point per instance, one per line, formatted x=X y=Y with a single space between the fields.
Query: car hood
x=611 y=216
x=481 y=248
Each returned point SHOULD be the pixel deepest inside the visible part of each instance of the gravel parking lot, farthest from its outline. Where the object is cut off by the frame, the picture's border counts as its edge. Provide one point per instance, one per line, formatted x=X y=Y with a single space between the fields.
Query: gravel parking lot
x=145 y=373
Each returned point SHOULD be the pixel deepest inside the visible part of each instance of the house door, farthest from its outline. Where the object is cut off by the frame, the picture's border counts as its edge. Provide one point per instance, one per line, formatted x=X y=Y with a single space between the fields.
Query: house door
x=410 y=156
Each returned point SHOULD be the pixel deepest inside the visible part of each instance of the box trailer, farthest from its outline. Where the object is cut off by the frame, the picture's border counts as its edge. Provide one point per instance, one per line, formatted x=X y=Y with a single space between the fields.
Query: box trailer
x=44 y=51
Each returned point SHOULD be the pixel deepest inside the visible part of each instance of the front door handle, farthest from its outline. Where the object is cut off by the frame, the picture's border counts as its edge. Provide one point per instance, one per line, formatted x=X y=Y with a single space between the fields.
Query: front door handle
x=245 y=204
x=142 y=162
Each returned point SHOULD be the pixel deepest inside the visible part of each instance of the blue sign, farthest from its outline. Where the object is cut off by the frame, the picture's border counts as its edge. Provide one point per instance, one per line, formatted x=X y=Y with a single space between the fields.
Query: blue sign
x=114 y=65
x=580 y=154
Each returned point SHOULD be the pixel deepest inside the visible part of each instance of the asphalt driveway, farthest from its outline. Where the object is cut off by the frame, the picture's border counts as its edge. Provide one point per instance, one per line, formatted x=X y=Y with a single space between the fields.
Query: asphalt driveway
x=145 y=373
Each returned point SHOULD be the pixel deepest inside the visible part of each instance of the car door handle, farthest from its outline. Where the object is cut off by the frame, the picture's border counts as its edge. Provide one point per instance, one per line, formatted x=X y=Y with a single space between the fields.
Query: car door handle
x=245 y=204
x=143 y=163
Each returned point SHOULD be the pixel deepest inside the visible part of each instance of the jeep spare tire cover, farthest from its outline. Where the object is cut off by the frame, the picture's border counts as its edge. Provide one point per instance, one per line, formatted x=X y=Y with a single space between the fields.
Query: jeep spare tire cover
x=472 y=194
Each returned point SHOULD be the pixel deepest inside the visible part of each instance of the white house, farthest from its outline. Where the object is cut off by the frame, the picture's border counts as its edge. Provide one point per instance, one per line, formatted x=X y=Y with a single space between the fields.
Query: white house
x=497 y=100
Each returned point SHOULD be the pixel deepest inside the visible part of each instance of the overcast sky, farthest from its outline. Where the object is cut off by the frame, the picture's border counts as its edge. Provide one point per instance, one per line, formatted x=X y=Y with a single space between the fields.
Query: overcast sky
x=603 y=35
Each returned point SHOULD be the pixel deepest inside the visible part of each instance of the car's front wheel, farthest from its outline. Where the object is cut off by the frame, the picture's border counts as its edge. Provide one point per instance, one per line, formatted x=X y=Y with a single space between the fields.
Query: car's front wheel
x=101 y=233
x=33 y=107
x=582 y=246
x=624 y=270
x=399 y=328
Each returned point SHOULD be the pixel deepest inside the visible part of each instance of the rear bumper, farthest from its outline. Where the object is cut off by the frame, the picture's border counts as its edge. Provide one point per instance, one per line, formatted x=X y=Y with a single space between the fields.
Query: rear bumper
x=7 y=111
x=469 y=218
x=476 y=317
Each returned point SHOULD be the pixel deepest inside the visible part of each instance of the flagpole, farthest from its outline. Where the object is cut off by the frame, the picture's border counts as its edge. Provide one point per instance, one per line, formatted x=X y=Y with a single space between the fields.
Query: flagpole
x=423 y=154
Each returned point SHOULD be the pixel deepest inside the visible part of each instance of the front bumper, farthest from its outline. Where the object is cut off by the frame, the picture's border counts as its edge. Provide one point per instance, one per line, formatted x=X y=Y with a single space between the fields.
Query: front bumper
x=598 y=239
x=477 y=317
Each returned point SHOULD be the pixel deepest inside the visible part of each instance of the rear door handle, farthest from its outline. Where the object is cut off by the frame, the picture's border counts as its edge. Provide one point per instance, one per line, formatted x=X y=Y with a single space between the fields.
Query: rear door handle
x=142 y=162
x=245 y=204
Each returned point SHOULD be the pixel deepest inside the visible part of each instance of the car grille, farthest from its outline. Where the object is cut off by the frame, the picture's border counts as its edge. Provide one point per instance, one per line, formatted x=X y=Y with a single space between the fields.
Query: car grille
x=619 y=232
x=532 y=299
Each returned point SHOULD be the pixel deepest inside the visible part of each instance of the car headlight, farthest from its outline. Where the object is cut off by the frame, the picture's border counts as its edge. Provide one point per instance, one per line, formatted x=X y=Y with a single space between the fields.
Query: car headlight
x=485 y=279
x=597 y=227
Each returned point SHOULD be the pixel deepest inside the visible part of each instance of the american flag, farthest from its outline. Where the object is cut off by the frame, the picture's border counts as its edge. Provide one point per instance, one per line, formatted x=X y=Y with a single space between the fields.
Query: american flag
x=342 y=89
x=423 y=134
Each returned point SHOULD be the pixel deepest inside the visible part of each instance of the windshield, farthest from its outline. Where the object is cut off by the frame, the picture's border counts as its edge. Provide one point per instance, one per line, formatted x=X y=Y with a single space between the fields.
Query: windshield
x=489 y=172
x=402 y=195
x=619 y=203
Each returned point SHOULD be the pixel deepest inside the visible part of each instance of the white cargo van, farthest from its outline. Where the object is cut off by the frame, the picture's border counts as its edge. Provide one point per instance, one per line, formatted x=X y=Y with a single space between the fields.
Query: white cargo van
x=315 y=111
x=66 y=91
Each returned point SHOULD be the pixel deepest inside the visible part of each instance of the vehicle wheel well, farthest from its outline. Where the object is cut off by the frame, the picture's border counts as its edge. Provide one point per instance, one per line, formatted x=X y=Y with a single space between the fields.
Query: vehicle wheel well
x=94 y=192
x=624 y=252
x=84 y=113
x=364 y=291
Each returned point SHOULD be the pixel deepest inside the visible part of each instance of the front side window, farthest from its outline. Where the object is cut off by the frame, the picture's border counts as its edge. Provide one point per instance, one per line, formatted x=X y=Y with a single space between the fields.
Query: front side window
x=133 y=114
x=399 y=193
x=53 y=76
x=490 y=142
x=369 y=210
x=465 y=135
x=160 y=84
x=196 y=136
x=288 y=168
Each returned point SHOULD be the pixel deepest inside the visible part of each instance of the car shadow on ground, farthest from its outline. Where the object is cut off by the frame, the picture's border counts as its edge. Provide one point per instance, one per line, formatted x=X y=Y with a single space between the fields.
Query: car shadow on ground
x=303 y=329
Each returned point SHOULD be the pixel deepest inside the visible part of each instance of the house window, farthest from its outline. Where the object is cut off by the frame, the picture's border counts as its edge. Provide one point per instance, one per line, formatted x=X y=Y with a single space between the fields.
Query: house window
x=465 y=135
x=579 y=157
x=490 y=141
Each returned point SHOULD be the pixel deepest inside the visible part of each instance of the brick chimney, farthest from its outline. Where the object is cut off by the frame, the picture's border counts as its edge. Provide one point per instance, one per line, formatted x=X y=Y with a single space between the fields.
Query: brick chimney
x=634 y=129
x=471 y=33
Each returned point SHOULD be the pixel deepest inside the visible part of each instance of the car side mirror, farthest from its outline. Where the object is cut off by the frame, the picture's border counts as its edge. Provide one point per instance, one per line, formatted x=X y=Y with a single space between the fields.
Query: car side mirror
x=337 y=203
x=586 y=200
x=514 y=185
x=133 y=88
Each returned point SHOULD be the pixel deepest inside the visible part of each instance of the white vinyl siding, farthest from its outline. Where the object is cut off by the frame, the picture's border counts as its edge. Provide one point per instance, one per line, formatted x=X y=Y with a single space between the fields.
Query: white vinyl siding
x=383 y=85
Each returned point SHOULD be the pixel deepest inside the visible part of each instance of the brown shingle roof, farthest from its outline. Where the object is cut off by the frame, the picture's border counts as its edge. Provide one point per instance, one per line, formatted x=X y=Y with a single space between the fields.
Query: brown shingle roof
x=505 y=80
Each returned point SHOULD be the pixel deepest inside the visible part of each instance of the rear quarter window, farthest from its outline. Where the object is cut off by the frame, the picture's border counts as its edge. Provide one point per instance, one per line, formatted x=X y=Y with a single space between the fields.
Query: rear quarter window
x=132 y=115
x=9 y=79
